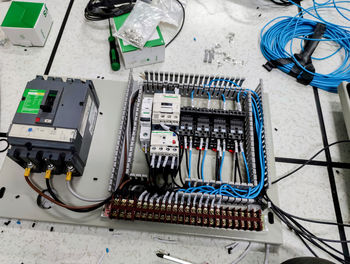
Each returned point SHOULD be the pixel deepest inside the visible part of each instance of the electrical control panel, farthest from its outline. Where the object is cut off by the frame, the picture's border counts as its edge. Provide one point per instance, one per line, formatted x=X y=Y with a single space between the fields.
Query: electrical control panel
x=54 y=125
x=188 y=154
x=204 y=163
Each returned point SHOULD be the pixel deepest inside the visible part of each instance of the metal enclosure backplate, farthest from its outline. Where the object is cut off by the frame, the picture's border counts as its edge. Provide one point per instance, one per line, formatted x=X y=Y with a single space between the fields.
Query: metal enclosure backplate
x=96 y=180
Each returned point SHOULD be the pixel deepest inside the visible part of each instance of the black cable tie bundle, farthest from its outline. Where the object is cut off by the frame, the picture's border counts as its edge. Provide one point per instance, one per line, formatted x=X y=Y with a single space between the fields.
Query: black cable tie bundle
x=303 y=58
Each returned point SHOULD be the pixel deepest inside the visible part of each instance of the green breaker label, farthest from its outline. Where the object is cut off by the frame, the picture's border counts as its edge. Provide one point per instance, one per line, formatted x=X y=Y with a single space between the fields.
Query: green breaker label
x=31 y=101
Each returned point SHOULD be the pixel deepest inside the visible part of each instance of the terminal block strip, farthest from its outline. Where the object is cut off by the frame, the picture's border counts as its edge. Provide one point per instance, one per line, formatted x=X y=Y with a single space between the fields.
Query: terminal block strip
x=187 y=214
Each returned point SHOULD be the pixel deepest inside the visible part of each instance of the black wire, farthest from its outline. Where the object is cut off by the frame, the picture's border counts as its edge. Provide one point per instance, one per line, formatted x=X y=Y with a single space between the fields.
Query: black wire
x=53 y=195
x=186 y=154
x=308 y=161
x=235 y=167
x=105 y=9
x=239 y=169
x=198 y=164
x=302 y=231
x=182 y=24
x=7 y=145
x=302 y=234
x=134 y=98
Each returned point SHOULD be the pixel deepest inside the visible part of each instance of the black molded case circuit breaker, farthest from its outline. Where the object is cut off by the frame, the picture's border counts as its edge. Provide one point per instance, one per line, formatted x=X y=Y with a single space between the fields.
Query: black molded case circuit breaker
x=54 y=125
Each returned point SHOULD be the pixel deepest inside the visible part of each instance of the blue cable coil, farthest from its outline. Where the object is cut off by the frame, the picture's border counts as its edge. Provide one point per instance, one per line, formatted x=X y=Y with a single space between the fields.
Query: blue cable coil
x=226 y=189
x=277 y=38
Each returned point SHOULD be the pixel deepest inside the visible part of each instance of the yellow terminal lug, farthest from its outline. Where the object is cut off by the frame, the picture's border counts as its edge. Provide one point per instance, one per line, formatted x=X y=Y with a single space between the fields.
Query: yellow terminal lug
x=48 y=174
x=68 y=176
x=27 y=172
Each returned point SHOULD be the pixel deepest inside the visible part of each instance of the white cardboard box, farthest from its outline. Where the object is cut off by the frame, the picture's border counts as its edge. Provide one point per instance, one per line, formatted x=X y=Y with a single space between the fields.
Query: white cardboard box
x=27 y=23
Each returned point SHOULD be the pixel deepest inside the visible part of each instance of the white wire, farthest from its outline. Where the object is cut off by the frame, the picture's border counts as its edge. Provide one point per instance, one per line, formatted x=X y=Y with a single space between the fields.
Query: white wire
x=242 y=256
x=267 y=252
x=69 y=186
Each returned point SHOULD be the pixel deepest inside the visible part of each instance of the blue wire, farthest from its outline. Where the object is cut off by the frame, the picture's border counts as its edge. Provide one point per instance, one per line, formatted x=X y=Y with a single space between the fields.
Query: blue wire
x=202 y=166
x=226 y=189
x=222 y=164
x=246 y=166
x=282 y=33
x=189 y=164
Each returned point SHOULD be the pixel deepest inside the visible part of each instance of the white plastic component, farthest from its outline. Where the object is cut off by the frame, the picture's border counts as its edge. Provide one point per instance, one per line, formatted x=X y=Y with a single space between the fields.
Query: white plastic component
x=164 y=143
x=166 y=109
x=145 y=121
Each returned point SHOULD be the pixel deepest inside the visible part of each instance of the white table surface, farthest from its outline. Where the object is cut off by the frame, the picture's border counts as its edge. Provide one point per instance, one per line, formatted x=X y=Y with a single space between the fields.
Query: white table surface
x=83 y=53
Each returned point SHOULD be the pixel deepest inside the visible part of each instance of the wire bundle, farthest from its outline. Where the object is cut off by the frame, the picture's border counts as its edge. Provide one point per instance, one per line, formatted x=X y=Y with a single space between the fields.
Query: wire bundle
x=276 y=38
x=306 y=236
x=226 y=189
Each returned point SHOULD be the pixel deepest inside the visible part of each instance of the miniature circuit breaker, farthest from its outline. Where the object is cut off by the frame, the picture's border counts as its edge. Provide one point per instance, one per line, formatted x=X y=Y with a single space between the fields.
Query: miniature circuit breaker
x=54 y=125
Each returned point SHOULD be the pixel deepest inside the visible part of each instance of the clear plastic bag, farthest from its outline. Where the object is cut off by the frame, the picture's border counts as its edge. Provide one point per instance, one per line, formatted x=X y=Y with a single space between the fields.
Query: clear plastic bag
x=140 y=24
x=172 y=11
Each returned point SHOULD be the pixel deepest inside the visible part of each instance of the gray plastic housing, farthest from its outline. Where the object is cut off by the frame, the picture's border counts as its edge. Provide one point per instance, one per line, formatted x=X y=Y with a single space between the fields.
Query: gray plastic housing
x=60 y=133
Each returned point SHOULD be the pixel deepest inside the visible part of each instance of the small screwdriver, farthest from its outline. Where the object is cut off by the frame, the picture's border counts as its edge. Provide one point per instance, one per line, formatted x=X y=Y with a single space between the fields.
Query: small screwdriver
x=113 y=53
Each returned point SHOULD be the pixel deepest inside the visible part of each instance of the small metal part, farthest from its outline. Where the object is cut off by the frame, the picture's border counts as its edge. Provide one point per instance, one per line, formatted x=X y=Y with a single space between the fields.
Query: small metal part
x=227 y=58
x=230 y=36
x=206 y=55
x=211 y=56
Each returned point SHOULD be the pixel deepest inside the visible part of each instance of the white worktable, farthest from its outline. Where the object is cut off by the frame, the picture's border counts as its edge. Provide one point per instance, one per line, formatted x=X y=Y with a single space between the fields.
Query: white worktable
x=83 y=53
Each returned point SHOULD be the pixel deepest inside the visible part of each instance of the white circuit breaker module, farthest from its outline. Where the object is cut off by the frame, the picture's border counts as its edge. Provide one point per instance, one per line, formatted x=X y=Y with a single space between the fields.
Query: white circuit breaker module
x=164 y=147
x=145 y=121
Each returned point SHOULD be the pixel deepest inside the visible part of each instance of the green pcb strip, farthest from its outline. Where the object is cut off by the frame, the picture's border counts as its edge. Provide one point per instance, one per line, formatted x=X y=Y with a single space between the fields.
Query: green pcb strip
x=31 y=101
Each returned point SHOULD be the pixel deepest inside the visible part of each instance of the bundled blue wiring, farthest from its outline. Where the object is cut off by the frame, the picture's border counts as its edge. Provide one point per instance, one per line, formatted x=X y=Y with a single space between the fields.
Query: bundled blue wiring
x=278 y=36
x=226 y=189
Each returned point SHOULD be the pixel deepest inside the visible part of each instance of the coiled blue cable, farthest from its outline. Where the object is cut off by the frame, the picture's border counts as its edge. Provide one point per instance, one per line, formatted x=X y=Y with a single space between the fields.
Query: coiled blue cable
x=284 y=30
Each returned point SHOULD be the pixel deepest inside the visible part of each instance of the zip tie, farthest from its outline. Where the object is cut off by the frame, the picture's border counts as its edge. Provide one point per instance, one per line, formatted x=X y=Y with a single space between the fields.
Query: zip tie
x=173 y=162
x=165 y=161
x=159 y=161
x=153 y=160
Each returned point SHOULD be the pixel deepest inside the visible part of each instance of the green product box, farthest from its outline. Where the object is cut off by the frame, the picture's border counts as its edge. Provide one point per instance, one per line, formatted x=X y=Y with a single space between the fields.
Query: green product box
x=153 y=51
x=27 y=23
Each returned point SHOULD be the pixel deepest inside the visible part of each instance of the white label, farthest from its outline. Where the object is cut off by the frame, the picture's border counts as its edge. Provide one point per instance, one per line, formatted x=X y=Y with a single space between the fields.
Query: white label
x=92 y=118
x=43 y=133
x=85 y=116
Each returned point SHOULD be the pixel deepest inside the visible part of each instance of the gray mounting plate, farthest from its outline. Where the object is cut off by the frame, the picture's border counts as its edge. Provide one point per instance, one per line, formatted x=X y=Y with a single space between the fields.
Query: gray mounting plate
x=99 y=165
